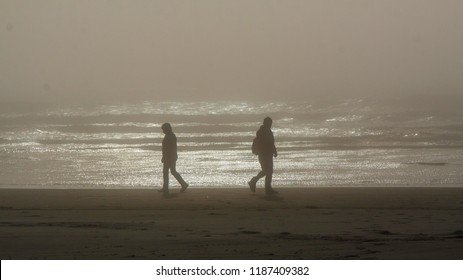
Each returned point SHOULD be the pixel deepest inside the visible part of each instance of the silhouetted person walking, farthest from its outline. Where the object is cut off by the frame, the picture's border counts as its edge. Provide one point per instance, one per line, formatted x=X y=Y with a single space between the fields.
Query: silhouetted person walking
x=169 y=158
x=264 y=147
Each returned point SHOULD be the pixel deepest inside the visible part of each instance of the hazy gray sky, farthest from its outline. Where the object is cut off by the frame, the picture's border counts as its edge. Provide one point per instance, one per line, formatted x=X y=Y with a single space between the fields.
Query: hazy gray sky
x=222 y=50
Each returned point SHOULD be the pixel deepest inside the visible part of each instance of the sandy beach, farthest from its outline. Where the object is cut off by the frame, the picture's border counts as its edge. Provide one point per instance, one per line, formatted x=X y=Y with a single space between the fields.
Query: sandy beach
x=299 y=223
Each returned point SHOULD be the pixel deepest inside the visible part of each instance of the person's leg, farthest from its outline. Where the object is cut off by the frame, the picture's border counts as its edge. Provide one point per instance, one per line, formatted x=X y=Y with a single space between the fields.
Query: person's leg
x=267 y=167
x=177 y=176
x=262 y=172
x=165 y=175
x=259 y=175
x=268 y=173
x=253 y=182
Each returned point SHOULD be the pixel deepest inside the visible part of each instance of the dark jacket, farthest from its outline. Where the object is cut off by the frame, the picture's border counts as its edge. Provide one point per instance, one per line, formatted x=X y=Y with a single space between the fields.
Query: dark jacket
x=266 y=141
x=169 y=148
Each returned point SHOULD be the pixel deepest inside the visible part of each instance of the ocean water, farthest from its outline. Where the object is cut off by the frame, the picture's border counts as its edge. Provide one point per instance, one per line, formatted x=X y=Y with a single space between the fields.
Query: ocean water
x=350 y=142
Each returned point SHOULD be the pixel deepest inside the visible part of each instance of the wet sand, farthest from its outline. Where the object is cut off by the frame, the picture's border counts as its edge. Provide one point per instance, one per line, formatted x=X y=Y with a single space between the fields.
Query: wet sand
x=299 y=223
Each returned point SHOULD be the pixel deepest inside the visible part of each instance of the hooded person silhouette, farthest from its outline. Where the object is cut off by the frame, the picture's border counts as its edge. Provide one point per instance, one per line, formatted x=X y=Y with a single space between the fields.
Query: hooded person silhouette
x=265 y=149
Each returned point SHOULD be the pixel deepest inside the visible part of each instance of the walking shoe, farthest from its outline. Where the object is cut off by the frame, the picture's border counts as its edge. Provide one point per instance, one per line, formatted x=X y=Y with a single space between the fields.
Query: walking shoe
x=252 y=185
x=184 y=188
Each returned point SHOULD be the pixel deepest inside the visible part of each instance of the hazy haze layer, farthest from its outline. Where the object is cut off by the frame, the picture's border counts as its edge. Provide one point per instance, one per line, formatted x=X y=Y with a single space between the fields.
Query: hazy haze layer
x=94 y=51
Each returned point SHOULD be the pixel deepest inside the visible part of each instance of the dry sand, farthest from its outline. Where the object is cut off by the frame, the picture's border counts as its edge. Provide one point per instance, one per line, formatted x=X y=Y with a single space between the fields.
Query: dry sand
x=299 y=223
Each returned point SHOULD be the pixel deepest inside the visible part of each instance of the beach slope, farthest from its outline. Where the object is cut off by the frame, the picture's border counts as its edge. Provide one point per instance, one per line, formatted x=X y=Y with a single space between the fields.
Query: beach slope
x=299 y=223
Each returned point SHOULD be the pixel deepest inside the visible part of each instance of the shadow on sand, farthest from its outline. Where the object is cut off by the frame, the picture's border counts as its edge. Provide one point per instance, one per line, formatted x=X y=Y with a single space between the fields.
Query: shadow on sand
x=273 y=198
x=170 y=195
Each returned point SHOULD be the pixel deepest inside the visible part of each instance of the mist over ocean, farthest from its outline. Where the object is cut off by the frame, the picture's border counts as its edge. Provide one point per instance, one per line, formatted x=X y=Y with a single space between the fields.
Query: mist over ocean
x=348 y=142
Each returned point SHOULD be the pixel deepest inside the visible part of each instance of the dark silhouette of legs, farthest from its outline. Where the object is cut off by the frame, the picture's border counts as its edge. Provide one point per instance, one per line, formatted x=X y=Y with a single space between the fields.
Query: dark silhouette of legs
x=259 y=175
x=266 y=163
x=173 y=170
x=165 y=173
x=177 y=175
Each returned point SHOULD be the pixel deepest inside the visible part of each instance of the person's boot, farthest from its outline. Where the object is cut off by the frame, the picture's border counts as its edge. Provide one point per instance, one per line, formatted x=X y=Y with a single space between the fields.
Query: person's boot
x=252 y=185
x=184 y=186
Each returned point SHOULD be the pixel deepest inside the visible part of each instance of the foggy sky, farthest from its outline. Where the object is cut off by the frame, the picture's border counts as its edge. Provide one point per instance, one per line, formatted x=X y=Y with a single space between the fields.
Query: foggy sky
x=228 y=50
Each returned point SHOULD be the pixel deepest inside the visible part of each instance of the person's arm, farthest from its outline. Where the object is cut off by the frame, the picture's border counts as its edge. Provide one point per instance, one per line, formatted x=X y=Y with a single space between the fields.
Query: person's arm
x=275 y=154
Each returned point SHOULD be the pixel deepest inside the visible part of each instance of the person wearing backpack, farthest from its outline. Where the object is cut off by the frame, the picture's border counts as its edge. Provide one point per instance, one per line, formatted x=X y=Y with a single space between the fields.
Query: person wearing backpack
x=264 y=147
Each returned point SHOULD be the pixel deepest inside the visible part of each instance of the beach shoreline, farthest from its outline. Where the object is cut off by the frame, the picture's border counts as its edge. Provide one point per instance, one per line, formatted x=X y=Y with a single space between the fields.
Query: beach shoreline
x=233 y=223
